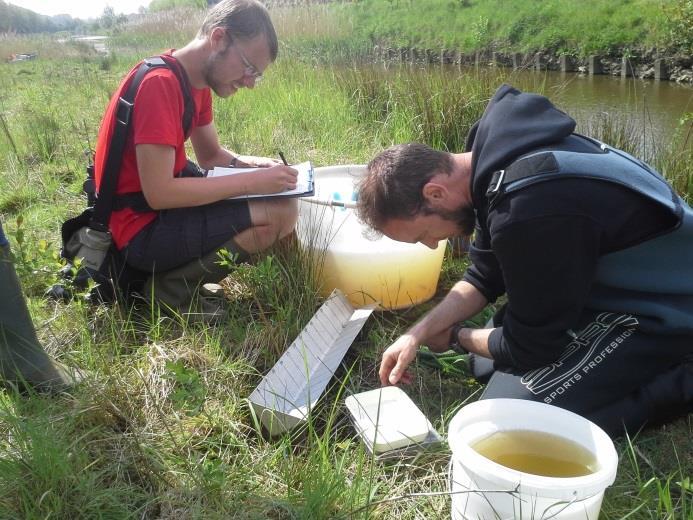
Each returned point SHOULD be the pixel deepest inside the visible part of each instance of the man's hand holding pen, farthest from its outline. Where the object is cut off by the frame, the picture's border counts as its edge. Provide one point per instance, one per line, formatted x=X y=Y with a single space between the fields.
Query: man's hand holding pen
x=275 y=179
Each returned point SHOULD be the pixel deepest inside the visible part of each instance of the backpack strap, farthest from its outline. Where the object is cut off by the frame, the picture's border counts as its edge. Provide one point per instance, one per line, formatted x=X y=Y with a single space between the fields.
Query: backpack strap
x=186 y=89
x=106 y=200
x=538 y=164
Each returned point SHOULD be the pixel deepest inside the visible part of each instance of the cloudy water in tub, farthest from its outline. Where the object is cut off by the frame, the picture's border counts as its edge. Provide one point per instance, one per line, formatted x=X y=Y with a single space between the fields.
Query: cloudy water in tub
x=538 y=453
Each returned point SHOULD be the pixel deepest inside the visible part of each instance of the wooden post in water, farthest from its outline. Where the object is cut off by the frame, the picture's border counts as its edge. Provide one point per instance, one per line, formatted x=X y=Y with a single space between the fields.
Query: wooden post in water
x=567 y=63
x=594 y=65
x=539 y=61
x=660 y=70
x=517 y=60
x=626 y=67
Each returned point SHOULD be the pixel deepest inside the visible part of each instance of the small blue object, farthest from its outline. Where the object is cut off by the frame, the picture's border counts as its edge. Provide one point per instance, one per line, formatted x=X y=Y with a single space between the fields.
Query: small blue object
x=337 y=197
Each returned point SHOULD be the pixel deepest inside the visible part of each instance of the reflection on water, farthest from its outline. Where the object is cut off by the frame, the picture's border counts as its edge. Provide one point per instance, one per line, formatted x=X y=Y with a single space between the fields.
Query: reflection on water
x=646 y=112
x=653 y=107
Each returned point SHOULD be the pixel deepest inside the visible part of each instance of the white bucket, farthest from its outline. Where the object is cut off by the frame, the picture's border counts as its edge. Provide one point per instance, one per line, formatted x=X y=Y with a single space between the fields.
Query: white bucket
x=481 y=488
x=366 y=269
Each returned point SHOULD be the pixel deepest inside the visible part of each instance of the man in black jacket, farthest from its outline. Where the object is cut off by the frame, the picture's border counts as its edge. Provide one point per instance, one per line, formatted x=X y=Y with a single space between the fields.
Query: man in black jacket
x=592 y=248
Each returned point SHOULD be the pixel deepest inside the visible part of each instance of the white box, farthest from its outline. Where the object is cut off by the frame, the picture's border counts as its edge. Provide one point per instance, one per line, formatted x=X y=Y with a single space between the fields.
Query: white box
x=387 y=419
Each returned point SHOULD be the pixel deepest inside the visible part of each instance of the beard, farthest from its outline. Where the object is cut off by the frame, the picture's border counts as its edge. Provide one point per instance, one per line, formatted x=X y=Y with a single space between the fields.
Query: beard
x=464 y=218
x=209 y=72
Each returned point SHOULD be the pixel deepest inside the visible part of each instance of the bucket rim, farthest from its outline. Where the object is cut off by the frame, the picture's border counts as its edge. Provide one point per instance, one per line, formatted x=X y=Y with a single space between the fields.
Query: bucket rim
x=340 y=166
x=563 y=488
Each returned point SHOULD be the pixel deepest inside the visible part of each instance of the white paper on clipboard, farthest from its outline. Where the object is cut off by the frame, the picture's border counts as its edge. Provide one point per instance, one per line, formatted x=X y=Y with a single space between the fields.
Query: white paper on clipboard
x=304 y=183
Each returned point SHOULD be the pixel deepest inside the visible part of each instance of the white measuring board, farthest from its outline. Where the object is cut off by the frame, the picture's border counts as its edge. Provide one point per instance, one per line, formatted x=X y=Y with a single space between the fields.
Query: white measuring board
x=285 y=396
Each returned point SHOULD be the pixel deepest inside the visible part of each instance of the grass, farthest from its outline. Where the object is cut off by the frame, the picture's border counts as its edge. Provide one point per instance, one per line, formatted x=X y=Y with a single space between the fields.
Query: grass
x=564 y=27
x=344 y=30
x=162 y=429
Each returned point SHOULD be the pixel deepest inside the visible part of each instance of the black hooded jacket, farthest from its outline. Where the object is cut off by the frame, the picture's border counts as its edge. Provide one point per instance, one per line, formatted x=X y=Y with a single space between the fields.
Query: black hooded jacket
x=540 y=245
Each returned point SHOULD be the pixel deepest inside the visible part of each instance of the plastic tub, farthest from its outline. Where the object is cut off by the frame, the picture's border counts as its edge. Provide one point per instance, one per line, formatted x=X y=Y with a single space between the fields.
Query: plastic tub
x=482 y=489
x=387 y=419
x=366 y=269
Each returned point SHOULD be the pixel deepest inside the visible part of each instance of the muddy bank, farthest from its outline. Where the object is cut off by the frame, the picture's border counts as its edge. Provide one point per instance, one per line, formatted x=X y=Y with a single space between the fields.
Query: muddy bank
x=647 y=65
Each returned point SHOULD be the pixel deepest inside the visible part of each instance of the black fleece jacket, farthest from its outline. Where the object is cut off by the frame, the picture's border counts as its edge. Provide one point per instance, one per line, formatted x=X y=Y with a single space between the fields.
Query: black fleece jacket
x=540 y=245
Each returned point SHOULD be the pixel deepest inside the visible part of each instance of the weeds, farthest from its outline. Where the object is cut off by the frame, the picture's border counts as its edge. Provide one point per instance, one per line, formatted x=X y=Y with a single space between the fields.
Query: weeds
x=35 y=260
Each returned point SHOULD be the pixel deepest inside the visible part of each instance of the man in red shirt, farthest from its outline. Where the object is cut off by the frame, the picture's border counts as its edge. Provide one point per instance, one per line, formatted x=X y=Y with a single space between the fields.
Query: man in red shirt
x=189 y=219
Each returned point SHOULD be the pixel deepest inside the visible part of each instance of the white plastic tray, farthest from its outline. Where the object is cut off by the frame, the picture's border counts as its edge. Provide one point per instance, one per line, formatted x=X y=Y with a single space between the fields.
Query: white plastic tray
x=285 y=396
x=387 y=419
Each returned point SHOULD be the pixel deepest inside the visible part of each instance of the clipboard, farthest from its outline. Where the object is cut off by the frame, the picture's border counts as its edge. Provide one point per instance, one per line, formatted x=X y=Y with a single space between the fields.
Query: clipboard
x=305 y=186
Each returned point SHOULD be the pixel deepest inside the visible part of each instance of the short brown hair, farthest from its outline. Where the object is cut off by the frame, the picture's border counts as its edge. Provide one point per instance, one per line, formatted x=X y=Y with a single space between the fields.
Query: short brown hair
x=393 y=185
x=242 y=19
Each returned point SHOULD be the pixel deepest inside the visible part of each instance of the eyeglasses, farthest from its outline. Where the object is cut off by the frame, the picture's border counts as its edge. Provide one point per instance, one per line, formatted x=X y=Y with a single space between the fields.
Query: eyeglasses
x=250 y=69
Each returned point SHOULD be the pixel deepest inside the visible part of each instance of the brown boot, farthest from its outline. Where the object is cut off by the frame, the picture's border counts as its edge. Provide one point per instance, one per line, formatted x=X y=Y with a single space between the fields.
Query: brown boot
x=191 y=291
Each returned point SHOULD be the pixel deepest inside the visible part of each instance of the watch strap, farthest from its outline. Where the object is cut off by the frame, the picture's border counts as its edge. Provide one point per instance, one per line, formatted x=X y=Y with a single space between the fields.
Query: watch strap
x=455 y=339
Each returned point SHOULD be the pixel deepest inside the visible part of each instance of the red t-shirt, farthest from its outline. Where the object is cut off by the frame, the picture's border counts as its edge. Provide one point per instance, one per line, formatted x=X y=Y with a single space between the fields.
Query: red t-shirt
x=156 y=119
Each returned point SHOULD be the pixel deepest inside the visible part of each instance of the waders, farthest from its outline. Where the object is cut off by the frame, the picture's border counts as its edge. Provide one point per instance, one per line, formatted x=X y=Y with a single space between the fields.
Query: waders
x=22 y=358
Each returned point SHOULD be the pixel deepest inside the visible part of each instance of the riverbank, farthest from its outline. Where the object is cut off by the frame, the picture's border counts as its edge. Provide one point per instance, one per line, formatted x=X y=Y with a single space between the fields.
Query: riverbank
x=647 y=66
x=636 y=38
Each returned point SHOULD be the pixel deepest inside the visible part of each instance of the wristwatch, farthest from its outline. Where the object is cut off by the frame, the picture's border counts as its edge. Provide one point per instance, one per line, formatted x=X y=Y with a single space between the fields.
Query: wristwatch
x=455 y=339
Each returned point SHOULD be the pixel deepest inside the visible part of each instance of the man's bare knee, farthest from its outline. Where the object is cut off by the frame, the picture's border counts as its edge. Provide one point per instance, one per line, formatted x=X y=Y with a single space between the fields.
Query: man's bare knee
x=284 y=219
x=289 y=217
x=272 y=220
x=268 y=212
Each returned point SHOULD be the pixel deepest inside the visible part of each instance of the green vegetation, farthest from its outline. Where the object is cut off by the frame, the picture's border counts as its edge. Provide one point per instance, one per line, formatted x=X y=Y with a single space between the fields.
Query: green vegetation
x=561 y=26
x=680 y=26
x=163 y=5
x=161 y=429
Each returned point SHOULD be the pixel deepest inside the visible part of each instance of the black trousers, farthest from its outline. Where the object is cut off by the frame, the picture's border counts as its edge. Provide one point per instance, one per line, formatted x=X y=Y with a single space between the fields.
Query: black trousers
x=179 y=236
x=611 y=372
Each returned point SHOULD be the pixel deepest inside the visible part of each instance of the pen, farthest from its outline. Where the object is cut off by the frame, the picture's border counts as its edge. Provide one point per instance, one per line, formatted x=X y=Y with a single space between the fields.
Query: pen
x=283 y=158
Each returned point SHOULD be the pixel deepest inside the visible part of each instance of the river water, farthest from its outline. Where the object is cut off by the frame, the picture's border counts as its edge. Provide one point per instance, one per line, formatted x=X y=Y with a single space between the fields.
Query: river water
x=653 y=108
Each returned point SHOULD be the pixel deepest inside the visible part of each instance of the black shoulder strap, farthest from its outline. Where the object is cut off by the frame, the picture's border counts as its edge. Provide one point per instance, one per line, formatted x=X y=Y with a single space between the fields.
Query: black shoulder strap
x=541 y=161
x=109 y=181
x=188 y=103
x=536 y=164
